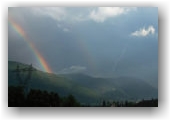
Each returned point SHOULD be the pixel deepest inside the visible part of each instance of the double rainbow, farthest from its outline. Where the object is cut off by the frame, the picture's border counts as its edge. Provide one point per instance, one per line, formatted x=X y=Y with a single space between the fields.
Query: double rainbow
x=37 y=54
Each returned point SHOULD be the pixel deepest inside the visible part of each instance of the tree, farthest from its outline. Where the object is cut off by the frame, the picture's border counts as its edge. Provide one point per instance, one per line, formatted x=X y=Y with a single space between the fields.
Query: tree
x=104 y=103
x=16 y=96
x=38 y=98
x=70 y=101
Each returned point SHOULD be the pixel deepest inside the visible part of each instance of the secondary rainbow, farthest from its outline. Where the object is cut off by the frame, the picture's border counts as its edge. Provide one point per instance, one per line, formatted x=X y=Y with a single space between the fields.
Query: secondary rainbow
x=37 y=54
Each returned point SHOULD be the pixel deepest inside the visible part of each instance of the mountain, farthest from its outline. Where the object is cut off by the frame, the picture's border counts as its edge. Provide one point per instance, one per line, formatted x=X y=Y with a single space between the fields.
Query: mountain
x=117 y=88
x=85 y=88
x=52 y=82
x=136 y=88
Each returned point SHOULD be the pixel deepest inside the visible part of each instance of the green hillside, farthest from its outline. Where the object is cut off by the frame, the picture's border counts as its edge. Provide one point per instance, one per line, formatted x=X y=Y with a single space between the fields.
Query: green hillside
x=52 y=82
x=86 y=89
x=117 y=88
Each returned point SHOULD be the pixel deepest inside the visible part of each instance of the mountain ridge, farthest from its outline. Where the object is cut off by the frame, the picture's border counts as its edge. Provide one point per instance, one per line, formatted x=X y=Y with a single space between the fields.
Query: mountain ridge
x=85 y=88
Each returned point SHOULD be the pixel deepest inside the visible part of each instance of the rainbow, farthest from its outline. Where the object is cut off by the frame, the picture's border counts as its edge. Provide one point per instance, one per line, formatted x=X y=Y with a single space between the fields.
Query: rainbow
x=86 y=51
x=37 y=54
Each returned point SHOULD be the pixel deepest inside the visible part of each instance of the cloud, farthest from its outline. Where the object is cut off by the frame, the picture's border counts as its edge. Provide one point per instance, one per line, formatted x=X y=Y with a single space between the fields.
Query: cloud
x=63 y=28
x=102 y=13
x=99 y=14
x=144 y=32
x=73 y=69
x=80 y=18
x=56 y=13
x=66 y=30
x=59 y=13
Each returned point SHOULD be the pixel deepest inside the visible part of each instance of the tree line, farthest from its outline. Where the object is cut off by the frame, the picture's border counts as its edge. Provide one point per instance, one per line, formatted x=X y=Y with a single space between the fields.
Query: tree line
x=38 y=98
x=17 y=97
x=142 y=103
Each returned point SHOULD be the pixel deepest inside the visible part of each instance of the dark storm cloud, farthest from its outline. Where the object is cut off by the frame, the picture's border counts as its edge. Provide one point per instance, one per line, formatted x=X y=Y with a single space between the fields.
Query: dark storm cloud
x=75 y=36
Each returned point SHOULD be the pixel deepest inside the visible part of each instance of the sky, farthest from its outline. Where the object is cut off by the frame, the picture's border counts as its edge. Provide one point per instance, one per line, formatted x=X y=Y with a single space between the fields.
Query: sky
x=99 y=41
